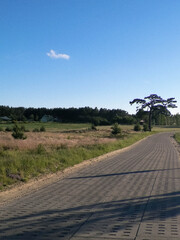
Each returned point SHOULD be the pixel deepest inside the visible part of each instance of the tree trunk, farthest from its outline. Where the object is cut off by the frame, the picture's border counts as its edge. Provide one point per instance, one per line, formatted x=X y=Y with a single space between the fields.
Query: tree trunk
x=150 y=119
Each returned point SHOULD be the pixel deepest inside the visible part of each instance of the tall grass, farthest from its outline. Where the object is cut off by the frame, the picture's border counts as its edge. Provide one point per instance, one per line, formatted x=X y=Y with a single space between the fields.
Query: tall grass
x=21 y=165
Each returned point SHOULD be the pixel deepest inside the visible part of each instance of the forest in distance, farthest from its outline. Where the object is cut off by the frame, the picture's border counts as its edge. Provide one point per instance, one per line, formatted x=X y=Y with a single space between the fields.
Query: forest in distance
x=95 y=116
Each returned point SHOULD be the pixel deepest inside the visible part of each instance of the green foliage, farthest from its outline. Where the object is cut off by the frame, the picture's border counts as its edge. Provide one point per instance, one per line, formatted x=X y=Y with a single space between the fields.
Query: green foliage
x=1 y=129
x=116 y=129
x=31 y=117
x=97 y=116
x=18 y=133
x=42 y=129
x=137 y=127
x=36 y=130
x=49 y=127
x=124 y=120
x=8 y=129
x=40 y=149
x=154 y=104
x=93 y=127
x=23 y=128
x=145 y=127
x=177 y=137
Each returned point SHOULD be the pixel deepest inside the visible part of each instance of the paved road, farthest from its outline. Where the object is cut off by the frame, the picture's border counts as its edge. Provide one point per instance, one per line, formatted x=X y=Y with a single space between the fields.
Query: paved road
x=135 y=195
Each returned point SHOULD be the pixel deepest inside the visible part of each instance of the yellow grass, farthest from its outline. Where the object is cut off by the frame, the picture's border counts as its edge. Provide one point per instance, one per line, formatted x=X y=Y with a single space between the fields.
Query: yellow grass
x=49 y=139
x=69 y=139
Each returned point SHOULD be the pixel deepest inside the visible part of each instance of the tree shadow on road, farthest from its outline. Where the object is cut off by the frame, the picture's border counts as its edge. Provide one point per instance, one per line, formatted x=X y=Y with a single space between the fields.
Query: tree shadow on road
x=114 y=216
x=124 y=173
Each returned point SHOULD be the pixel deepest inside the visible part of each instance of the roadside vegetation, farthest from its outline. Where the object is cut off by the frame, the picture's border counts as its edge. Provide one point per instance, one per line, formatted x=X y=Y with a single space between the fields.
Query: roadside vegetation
x=177 y=137
x=49 y=126
x=26 y=153
x=55 y=148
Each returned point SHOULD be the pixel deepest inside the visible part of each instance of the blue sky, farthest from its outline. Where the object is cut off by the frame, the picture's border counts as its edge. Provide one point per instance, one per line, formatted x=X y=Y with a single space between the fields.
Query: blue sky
x=96 y=53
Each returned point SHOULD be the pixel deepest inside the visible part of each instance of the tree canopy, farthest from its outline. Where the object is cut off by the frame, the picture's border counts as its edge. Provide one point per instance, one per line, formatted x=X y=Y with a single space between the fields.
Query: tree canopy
x=154 y=103
x=96 y=116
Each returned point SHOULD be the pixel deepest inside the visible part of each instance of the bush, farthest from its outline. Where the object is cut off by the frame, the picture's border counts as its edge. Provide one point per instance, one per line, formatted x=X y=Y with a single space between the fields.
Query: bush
x=137 y=127
x=18 y=133
x=145 y=128
x=42 y=129
x=1 y=129
x=93 y=127
x=40 y=149
x=8 y=129
x=23 y=129
x=35 y=130
x=116 y=129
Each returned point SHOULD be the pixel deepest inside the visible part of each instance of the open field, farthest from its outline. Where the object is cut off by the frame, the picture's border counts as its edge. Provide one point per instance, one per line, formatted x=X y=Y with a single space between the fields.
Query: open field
x=66 y=135
x=50 y=126
x=61 y=146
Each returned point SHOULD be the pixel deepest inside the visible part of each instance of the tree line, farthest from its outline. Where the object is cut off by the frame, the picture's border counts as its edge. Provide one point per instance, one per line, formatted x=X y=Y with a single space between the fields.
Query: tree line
x=95 y=116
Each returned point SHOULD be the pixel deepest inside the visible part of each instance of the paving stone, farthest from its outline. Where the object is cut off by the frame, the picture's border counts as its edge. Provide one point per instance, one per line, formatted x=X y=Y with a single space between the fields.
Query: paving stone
x=159 y=229
x=106 y=229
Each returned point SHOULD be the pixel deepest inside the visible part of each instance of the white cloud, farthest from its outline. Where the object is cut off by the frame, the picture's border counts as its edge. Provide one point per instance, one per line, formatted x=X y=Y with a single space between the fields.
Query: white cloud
x=53 y=54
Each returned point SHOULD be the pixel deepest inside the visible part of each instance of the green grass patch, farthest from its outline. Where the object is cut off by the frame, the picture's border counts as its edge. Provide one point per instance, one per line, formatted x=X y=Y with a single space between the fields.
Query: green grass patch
x=21 y=165
x=50 y=126
x=177 y=137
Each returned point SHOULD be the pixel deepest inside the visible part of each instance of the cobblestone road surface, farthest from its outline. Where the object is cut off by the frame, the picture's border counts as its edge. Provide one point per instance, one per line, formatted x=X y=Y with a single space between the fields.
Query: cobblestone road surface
x=134 y=195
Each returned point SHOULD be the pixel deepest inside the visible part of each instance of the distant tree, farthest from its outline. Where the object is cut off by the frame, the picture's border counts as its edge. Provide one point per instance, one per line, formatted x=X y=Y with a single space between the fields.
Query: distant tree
x=177 y=119
x=154 y=102
x=115 y=129
x=31 y=117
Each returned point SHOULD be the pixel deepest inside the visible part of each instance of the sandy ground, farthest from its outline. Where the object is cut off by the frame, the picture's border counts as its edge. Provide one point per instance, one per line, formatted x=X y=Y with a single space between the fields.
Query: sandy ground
x=21 y=189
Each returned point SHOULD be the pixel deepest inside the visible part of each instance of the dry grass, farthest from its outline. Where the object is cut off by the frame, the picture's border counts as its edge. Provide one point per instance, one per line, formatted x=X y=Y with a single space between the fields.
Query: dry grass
x=46 y=152
x=48 y=139
x=69 y=138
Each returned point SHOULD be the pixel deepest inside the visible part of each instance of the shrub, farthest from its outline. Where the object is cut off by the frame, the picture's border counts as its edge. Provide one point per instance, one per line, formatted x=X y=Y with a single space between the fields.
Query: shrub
x=23 y=129
x=93 y=127
x=8 y=129
x=1 y=129
x=18 y=133
x=35 y=130
x=145 y=128
x=40 y=149
x=137 y=127
x=116 y=129
x=42 y=129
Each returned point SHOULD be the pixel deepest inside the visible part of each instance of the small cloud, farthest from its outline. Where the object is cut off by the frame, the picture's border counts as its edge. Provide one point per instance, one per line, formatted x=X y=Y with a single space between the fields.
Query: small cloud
x=53 y=54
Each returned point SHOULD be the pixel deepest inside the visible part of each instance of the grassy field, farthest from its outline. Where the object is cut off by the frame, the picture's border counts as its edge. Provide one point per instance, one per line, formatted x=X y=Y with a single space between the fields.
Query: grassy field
x=61 y=146
x=50 y=126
